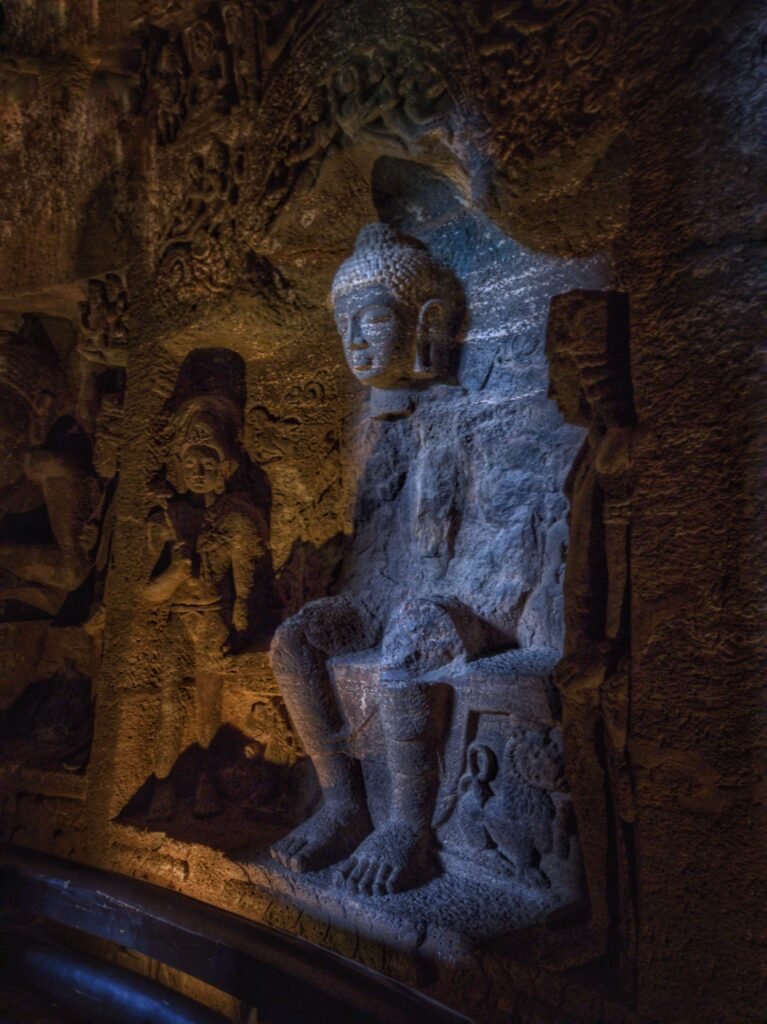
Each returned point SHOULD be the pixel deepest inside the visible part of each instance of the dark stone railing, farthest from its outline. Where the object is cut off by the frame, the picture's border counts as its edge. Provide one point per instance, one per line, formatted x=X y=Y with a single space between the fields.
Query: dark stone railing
x=288 y=980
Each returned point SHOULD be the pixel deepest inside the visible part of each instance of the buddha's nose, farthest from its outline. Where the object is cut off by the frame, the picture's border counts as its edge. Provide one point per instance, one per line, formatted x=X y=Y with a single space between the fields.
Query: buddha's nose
x=354 y=336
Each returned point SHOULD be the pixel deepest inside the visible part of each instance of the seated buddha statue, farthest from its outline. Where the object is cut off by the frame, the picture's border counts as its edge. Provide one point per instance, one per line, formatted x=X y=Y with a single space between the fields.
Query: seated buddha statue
x=420 y=597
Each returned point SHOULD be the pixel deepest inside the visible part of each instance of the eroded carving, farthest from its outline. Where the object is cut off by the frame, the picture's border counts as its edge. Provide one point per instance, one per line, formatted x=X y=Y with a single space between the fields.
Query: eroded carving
x=219 y=61
x=50 y=725
x=207 y=541
x=188 y=72
x=393 y=96
x=523 y=49
x=506 y=813
x=46 y=466
x=590 y=379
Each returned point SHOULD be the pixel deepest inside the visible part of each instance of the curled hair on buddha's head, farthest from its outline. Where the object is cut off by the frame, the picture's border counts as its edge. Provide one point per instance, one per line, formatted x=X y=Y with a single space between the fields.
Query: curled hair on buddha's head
x=386 y=257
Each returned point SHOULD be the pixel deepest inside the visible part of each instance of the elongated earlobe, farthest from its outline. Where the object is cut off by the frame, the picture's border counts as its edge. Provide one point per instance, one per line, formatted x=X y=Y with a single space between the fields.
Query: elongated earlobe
x=428 y=333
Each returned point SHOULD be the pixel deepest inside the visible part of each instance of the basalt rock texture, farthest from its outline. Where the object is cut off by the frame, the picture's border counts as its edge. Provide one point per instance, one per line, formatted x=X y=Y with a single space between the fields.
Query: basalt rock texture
x=381 y=508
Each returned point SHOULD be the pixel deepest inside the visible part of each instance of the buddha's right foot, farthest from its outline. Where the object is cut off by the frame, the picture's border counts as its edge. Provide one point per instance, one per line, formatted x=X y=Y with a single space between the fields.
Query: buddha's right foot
x=330 y=835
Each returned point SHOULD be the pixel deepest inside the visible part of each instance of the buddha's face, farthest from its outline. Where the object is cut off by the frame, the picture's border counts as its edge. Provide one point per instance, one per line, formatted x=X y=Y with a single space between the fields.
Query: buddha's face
x=379 y=335
x=203 y=470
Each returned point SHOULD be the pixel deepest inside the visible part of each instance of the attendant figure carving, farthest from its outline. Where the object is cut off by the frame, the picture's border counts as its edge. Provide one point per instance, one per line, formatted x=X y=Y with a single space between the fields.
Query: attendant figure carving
x=170 y=92
x=590 y=379
x=206 y=52
x=207 y=542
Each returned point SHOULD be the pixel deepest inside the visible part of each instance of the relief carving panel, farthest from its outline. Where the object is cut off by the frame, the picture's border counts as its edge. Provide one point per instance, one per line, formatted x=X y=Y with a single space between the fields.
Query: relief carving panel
x=210 y=542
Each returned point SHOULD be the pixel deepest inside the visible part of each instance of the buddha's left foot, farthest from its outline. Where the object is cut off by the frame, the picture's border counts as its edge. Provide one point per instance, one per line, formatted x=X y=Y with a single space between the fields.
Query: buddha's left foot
x=393 y=858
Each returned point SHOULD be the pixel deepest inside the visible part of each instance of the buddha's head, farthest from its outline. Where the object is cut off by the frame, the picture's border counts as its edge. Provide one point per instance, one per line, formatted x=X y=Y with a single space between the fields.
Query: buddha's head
x=394 y=308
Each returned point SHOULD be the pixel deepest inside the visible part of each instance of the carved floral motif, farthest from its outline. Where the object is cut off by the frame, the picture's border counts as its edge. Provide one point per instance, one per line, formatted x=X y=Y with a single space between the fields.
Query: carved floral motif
x=201 y=257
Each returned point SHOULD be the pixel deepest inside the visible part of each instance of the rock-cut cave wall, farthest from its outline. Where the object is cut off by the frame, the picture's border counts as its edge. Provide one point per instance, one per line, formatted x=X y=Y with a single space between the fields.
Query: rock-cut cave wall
x=493 y=606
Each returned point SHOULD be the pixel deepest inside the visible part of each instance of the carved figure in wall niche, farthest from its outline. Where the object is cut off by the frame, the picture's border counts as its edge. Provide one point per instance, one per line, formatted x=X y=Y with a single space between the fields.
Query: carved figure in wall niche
x=208 y=59
x=394 y=308
x=207 y=542
x=587 y=345
x=103 y=344
x=170 y=88
x=45 y=466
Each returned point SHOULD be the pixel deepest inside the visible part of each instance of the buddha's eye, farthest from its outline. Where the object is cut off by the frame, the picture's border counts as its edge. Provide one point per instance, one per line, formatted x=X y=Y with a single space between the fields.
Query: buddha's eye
x=377 y=315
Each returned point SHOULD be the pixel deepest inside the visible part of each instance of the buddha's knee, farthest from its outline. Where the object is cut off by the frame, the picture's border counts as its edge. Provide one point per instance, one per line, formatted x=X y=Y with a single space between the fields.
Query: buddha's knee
x=339 y=624
x=320 y=630
x=426 y=633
